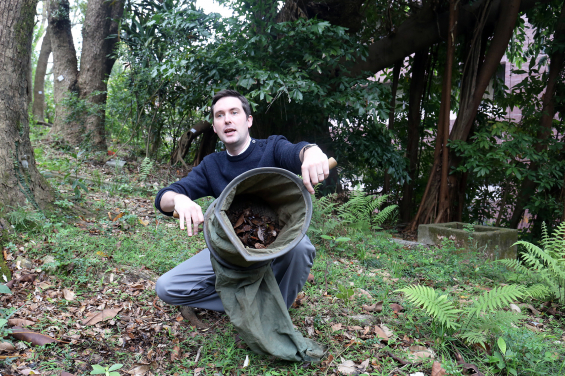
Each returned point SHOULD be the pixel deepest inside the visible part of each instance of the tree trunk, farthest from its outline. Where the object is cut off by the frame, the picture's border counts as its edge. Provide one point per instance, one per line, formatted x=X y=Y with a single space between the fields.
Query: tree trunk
x=443 y=210
x=394 y=89
x=96 y=62
x=186 y=140
x=462 y=126
x=207 y=145
x=64 y=70
x=556 y=65
x=39 y=82
x=417 y=86
x=21 y=181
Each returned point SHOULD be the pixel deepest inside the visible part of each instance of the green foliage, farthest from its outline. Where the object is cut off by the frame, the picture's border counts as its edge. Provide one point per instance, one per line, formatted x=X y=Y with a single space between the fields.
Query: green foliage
x=481 y=321
x=4 y=289
x=344 y=293
x=520 y=350
x=107 y=371
x=436 y=305
x=498 y=297
x=145 y=168
x=542 y=268
x=359 y=211
x=24 y=217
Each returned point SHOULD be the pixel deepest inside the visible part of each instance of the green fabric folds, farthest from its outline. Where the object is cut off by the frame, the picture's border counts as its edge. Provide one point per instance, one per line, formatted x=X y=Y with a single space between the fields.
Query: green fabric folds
x=249 y=291
x=255 y=306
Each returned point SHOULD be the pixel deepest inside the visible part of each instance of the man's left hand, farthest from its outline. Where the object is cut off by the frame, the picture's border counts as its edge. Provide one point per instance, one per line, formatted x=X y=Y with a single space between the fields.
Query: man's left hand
x=315 y=167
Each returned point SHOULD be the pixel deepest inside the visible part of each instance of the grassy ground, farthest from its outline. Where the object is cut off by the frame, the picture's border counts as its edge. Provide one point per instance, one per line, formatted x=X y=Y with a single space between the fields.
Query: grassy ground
x=108 y=246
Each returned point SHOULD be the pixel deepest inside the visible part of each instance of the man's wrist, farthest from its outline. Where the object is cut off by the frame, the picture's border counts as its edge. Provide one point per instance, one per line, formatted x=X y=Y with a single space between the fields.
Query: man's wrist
x=303 y=151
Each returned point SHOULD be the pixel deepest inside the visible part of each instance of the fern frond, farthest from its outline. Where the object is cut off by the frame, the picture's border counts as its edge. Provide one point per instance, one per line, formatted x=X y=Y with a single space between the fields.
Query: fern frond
x=145 y=168
x=435 y=305
x=485 y=324
x=518 y=267
x=496 y=298
x=383 y=215
x=537 y=291
x=473 y=337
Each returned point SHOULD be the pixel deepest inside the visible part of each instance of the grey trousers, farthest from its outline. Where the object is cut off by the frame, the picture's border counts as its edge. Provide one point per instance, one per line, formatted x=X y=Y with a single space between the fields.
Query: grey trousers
x=192 y=283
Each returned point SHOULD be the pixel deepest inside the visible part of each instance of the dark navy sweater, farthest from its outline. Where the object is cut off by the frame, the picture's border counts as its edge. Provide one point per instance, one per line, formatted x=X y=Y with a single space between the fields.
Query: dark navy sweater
x=217 y=170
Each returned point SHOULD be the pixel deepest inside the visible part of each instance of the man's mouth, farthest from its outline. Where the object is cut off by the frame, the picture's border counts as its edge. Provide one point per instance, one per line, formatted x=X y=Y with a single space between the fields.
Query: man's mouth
x=229 y=131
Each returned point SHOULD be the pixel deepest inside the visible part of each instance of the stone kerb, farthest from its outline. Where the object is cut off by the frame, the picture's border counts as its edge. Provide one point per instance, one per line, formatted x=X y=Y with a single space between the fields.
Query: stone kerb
x=496 y=242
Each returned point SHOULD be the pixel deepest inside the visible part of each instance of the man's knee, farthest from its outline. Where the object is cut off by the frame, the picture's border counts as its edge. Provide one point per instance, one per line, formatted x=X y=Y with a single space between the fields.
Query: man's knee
x=161 y=289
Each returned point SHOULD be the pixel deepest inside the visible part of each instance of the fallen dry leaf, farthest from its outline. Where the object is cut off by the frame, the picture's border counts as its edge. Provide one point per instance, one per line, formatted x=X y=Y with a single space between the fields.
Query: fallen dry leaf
x=336 y=327
x=420 y=352
x=28 y=371
x=144 y=223
x=67 y=374
x=380 y=333
x=348 y=367
x=310 y=278
x=364 y=293
x=36 y=339
x=197 y=371
x=20 y=322
x=68 y=294
x=101 y=316
x=141 y=369
x=175 y=354
x=437 y=369
x=377 y=307
x=387 y=331
x=6 y=346
x=396 y=307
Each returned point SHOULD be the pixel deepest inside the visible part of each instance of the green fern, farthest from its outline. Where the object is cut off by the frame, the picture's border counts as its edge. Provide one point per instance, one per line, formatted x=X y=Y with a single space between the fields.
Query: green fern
x=538 y=291
x=483 y=320
x=542 y=266
x=493 y=300
x=484 y=327
x=145 y=168
x=435 y=305
x=359 y=211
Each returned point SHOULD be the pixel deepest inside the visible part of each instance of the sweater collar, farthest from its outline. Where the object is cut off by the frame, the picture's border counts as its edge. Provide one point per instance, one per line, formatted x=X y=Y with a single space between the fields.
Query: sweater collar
x=245 y=154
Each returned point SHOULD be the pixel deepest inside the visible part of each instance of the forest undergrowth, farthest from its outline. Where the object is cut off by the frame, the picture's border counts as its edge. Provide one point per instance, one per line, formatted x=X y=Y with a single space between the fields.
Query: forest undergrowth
x=83 y=278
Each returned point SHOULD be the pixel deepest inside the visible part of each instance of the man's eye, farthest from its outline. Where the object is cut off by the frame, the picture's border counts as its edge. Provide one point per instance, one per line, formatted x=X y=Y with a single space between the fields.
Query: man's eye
x=234 y=112
x=218 y=115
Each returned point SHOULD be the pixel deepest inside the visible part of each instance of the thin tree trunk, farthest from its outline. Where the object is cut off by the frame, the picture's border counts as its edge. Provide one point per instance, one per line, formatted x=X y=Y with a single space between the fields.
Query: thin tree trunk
x=417 y=86
x=462 y=126
x=394 y=89
x=186 y=140
x=97 y=59
x=39 y=82
x=207 y=145
x=556 y=65
x=443 y=211
x=21 y=182
x=65 y=71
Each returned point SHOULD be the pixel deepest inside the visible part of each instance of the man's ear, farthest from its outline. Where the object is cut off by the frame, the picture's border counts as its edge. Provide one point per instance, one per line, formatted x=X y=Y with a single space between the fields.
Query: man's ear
x=249 y=121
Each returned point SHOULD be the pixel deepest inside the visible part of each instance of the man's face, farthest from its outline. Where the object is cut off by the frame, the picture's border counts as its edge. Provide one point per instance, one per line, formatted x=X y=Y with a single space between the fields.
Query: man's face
x=231 y=124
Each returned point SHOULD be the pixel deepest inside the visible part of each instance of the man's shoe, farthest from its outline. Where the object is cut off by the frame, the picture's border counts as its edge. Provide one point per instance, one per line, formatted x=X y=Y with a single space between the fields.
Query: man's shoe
x=189 y=314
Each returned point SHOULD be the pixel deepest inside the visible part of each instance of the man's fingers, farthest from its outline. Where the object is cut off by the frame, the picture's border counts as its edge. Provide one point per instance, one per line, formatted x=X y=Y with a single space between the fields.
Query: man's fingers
x=306 y=180
x=181 y=220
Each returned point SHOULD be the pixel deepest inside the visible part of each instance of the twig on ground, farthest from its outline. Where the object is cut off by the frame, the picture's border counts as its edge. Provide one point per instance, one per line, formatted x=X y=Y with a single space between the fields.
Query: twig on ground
x=197 y=356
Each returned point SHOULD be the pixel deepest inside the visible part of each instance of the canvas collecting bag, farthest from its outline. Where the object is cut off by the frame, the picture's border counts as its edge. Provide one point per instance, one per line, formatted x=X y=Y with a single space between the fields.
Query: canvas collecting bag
x=244 y=278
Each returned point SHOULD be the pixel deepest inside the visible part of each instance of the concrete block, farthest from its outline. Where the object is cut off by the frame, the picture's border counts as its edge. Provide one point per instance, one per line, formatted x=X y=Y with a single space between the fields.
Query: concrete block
x=114 y=163
x=496 y=242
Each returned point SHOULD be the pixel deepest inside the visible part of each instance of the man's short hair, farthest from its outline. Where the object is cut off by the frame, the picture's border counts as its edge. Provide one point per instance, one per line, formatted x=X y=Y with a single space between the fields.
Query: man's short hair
x=232 y=93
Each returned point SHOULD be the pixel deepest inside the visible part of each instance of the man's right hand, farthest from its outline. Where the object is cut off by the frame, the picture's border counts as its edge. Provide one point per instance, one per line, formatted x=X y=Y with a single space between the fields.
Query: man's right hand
x=187 y=210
